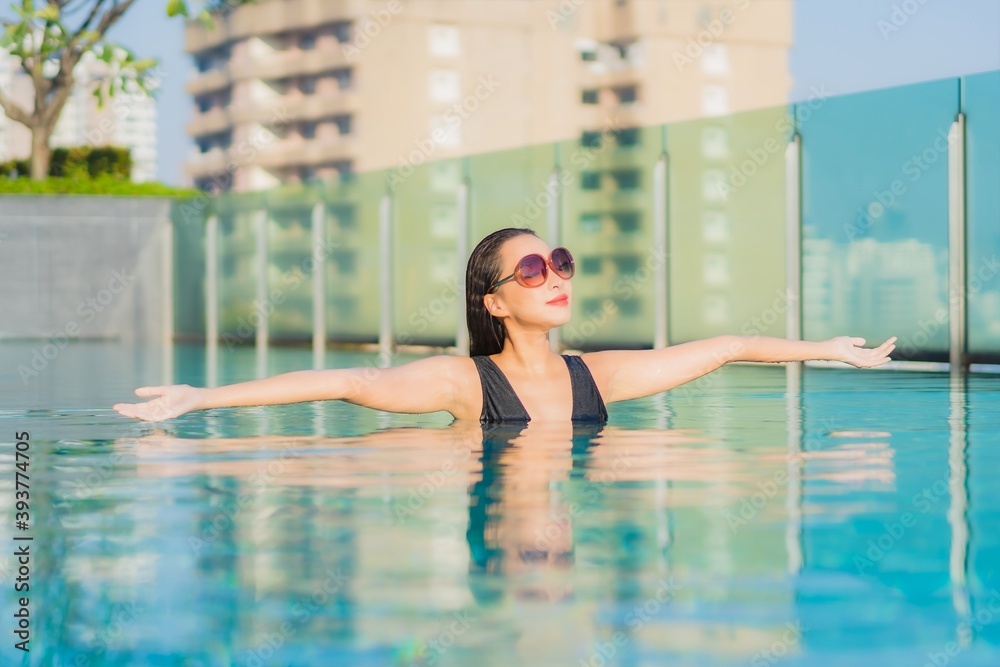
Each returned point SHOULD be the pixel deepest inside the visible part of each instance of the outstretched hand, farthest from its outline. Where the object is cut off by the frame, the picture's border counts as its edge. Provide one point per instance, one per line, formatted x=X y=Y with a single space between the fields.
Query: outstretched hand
x=849 y=350
x=174 y=400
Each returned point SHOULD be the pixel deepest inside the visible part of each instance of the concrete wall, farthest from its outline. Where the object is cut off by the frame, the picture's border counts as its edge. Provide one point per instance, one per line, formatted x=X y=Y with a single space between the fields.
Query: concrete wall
x=84 y=267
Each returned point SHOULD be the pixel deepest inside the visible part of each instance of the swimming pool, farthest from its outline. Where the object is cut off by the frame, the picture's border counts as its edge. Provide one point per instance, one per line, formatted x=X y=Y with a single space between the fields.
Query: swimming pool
x=727 y=522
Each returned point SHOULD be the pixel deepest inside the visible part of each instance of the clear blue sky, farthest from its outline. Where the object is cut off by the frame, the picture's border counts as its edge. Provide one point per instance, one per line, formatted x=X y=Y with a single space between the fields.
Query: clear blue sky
x=837 y=43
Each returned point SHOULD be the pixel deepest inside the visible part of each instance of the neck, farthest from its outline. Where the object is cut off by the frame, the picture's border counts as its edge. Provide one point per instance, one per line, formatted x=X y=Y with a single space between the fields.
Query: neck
x=528 y=352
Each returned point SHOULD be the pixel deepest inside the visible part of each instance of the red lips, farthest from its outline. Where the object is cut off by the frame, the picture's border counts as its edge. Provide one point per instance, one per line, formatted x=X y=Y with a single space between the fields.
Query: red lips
x=559 y=300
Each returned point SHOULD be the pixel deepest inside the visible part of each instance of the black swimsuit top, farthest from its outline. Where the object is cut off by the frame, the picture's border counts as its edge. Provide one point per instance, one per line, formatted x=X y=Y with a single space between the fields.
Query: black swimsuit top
x=501 y=404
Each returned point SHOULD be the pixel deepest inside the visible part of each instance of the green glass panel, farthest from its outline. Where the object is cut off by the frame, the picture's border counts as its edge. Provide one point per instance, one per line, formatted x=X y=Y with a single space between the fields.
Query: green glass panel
x=290 y=263
x=875 y=217
x=727 y=225
x=188 y=219
x=607 y=223
x=981 y=105
x=426 y=264
x=351 y=258
x=237 y=261
x=509 y=189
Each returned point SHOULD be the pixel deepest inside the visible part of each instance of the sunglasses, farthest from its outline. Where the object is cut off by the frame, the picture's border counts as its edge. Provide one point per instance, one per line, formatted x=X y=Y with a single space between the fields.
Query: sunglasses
x=533 y=269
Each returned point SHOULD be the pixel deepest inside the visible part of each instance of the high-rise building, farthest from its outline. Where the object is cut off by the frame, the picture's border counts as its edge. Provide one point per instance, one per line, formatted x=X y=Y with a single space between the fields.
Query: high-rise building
x=128 y=119
x=292 y=90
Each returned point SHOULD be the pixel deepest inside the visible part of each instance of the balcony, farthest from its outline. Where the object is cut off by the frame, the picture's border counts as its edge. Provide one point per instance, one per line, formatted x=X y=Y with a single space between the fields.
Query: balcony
x=289 y=63
x=297 y=151
x=210 y=122
x=205 y=164
x=206 y=82
x=296 y=106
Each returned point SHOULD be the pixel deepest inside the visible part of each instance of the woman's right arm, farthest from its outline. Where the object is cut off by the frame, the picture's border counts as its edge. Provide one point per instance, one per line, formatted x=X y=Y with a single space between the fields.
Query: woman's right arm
x=425 y=385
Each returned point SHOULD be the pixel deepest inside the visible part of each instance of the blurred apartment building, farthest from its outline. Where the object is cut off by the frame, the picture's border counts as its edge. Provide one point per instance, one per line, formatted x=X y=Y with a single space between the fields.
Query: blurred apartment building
x=292 y=91
x=127 y=120
x=295 y=90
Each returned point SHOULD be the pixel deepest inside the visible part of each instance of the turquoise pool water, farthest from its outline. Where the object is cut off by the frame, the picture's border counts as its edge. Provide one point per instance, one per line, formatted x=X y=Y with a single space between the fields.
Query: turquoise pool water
x=853 y=521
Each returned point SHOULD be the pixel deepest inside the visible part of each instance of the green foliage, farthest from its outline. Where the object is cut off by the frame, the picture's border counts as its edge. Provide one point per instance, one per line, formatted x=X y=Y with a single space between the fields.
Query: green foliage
x=80 y=163
x=103 y=185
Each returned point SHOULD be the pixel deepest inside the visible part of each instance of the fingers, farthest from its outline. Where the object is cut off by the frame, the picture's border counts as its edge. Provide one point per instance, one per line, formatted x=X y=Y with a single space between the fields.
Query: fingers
x=857 y=341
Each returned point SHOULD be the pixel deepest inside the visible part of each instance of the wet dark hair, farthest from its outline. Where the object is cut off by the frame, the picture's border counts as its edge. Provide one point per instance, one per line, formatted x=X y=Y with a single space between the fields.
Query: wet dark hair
x=486 y=333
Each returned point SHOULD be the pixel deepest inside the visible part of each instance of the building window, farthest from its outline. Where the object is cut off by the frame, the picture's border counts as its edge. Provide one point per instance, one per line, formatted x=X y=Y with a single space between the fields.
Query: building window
x=626 y=264
x=627 y=221
x=715 y=143
x=590 y=139
x=307 y=85
x=590 y=265
x=715 y=59
x=307 y=174
x=627 y=94
x=629 y=136
x=629 y=307
x=342 y=31
x=343 y=123
x=443 y=41
x=626 y=179
x=589 y=55
x=589 y=96
x=346 y=261
x=204 y=104
x=444 y=86
x=343 y=77
x=590 y=223
x=308 y=130
x=713 y=182
x=714 y=226
x=714 y=101
x=590 y=180
x=344 y=215
x=307 y=42
x=444 y=221
x=715 y=269
x=445 y=133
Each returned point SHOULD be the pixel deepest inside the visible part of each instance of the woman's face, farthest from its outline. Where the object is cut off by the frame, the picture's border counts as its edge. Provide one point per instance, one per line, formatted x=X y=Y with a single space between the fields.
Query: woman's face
x=531 y=304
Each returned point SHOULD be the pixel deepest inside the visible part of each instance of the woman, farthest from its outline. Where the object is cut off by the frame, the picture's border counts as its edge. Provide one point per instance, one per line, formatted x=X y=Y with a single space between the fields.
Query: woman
x=517 y=289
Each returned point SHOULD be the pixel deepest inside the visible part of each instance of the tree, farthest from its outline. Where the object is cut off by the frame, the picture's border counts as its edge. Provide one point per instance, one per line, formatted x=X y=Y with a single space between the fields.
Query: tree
x=51 y=36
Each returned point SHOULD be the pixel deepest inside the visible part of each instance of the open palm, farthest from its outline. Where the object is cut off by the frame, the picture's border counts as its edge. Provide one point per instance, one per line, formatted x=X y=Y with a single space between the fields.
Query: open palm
x=174 y=400
x=849 y=350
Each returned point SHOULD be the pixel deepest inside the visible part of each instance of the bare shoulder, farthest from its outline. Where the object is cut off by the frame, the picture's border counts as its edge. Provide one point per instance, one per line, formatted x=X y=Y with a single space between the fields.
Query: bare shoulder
x=601 y=366
x=468 y=388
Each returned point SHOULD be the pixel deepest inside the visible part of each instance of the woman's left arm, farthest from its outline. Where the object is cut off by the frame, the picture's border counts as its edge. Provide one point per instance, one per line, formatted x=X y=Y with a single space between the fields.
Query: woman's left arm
x=628 y=374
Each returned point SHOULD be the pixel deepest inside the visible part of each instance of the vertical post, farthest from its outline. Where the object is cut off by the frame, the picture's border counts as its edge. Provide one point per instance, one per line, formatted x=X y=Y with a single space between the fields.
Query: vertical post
x=552 y=215
x=793 y=496
x=958 y=514
x=319 y=284
x=661 y=274
x=956 y=247
x=462 y=251
x=261 y=342
x=167 y=305
x=793 y=249
x=212 y=299
x=385 y=286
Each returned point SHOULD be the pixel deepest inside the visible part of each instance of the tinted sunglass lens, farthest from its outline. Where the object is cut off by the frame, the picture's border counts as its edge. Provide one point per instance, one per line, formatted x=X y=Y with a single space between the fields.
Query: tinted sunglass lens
x=562 y=262
x=532 y=270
